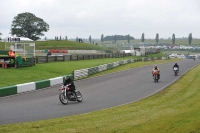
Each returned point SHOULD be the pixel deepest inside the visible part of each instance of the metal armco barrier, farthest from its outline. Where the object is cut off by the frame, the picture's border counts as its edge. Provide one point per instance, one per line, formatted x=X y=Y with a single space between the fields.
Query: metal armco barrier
x=78 y=74
x=54 y=58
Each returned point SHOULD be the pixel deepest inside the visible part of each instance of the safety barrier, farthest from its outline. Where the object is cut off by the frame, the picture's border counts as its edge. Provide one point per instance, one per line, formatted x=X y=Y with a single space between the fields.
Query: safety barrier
x=79 y=74
x=54 y=58
x=20 y=88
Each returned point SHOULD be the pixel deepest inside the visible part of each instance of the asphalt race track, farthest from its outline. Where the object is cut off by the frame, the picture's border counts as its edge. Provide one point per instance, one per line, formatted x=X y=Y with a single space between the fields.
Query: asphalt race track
x=98 y=93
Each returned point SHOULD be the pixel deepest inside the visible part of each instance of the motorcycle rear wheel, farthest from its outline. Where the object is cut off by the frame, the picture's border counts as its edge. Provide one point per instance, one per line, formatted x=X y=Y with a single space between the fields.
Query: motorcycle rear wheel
x=63 y=99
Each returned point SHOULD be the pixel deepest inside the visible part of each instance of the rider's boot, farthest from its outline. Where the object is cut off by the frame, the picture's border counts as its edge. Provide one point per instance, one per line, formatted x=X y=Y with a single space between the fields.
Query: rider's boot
x=74 y=95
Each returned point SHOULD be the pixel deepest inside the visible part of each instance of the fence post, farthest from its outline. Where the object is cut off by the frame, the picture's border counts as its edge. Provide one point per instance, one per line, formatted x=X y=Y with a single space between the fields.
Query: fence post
x=70 y=58
x=36 y=59
x=47 y=58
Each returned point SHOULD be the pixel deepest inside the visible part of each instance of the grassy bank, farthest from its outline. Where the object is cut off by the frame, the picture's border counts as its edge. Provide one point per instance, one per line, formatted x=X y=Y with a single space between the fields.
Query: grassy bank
x=65 y=45
x=68 y=45
x=175 y=109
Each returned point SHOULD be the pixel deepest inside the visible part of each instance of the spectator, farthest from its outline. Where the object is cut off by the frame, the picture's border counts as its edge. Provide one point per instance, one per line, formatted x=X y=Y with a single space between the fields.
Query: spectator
x=49 y=53
x=11 y=53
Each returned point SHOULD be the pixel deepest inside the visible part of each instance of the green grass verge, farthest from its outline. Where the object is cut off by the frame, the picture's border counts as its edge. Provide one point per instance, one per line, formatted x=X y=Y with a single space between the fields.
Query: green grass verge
x=44 y=71
x=175 y=109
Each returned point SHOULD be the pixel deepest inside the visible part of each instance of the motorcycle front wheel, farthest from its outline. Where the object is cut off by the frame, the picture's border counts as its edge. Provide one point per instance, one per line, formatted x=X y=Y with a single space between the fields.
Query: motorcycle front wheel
x=63 y=99
x=155 y=78
x=79 y=96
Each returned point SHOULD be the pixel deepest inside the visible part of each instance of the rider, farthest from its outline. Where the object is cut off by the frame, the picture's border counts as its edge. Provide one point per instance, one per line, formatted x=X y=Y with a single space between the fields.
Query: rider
x=157 y=69
x=70 y=83
x=176 y=65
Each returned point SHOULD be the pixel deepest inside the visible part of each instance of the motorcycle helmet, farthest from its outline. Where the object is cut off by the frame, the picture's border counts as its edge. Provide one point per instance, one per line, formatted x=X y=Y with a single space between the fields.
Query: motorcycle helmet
x=67 y=77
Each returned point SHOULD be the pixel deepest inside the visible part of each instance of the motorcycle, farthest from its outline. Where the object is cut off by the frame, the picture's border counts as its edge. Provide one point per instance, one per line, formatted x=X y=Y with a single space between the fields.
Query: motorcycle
x=67 y=95
x=155 y=75
x=175 y=71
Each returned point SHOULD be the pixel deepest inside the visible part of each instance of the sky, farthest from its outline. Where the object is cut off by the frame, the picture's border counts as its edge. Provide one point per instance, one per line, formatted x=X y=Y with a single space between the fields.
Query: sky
x=82 y=18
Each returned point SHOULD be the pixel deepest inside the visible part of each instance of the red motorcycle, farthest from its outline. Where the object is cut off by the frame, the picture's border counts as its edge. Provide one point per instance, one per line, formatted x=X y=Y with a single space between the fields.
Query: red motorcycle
x=67 y=95
x=155 y=75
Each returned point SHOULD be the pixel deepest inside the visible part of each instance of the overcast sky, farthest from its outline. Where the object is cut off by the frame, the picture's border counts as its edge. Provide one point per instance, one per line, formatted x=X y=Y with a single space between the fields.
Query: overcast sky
x=82 y=18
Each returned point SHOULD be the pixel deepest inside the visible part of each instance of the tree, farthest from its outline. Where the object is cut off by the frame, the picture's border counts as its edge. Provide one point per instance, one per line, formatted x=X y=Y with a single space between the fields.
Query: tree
x=157 y=38
x=90 y=39
x=190 y=38
x=142 y=38
x=0 y=35
x=118 y=37
x=115 y=38
x=128 y=37
x=102 y=38
x=173 y=39
x=28 y=25
x=76 y=39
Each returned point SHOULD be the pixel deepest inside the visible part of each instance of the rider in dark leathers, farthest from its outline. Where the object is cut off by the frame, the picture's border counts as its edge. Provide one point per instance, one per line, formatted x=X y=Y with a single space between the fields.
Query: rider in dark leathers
x=176 y=65
x=70 y=83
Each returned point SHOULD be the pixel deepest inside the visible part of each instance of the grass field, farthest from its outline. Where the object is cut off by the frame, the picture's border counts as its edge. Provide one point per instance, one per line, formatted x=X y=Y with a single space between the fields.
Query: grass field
x=174 y=110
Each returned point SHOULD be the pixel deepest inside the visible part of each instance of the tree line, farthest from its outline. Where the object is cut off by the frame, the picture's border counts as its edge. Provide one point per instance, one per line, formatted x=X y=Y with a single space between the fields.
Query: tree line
x=128 y=38
x=28 y=25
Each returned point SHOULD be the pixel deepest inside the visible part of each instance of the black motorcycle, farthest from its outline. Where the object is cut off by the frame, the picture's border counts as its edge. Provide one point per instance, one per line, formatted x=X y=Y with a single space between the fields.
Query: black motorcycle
x=67 y=95
x=175 y=71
